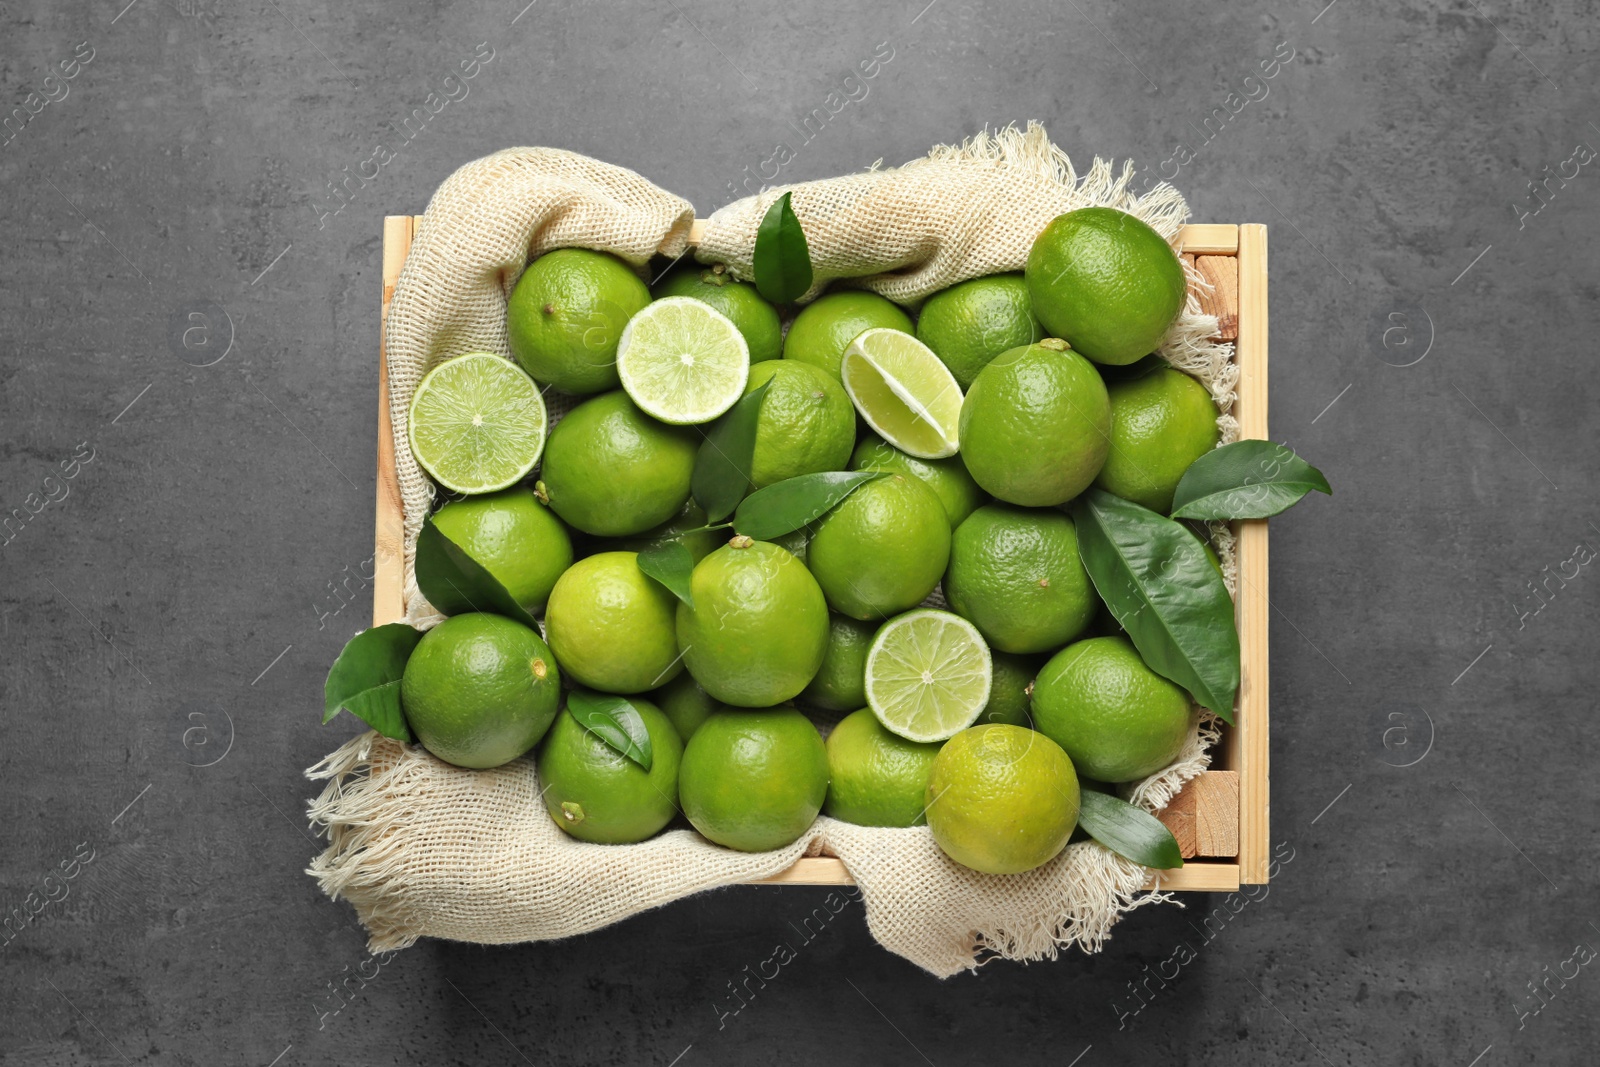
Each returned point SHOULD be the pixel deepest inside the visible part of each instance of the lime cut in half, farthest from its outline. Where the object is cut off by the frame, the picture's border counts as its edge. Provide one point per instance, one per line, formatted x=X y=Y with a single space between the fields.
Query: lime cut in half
x=904 y=392
x=477 y=423
x=682 y=361
x=928 y=675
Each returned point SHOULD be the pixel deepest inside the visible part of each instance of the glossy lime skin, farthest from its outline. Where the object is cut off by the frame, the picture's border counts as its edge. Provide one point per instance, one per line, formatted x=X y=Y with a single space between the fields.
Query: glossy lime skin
x=754 y=779
x=1015 y=574
x=973 y=321
x=566 y=315
x=1106 y=283
x=516 y=538
x=841 y=681
x=948 y=478
x=759 y=625
x=595 y=793
x=1002 y=799
x=480 y=690
x=877 y=778
x=612 y=628
x=826 y=326
x=807 y=423
x=883 y=549
x=686 y=703
x=1160 y=423
x=611 y=470
x=756 y=319
x=1036 y=425
x=1009 y=698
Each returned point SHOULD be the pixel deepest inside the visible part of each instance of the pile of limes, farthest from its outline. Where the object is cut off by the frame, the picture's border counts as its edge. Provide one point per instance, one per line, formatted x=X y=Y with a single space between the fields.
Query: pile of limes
x=1005 y=398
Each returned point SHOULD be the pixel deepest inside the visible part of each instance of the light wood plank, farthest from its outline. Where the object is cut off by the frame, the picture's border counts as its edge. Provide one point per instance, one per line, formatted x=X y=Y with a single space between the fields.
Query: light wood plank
x=811 y=870
x=1222 y=299
x=1204 y=817
x=388 y=560
x=1209 y=239
x=1191 y=877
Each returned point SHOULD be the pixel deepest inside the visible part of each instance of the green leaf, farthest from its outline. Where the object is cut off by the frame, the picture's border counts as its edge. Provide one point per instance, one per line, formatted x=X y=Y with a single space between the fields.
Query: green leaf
x=670 y=563
x=365 y=679
x=1157 y=581
x=786 y=506
x=1245 y=480
x=455 y=583
x=1129 y=831
x=782 y=259
x=722 y=468
x=615 y=721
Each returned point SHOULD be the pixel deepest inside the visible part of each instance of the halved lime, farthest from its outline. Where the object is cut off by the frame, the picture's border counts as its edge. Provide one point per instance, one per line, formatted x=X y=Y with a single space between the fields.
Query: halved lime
x=928 y=675
x=477 y=423
x=904 y=392
x=682 y=361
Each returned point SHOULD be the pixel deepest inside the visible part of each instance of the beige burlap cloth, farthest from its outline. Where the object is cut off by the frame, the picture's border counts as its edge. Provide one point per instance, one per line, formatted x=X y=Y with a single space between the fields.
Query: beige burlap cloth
x=424 y=849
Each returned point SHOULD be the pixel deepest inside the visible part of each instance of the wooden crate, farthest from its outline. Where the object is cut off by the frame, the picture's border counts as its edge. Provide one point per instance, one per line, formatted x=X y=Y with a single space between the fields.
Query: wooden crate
x=1221 y=818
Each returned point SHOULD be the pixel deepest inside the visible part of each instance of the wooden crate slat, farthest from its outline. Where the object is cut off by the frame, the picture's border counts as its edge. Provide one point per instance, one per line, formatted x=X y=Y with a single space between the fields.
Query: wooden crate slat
x=388 y=555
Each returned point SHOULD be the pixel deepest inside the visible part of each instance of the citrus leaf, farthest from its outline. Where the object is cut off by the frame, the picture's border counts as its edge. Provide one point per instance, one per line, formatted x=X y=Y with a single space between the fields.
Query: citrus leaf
x=456 y=583
x=670 y=563
x=613 y=720
x=1129 y=831
x=1245 y=480
x=722 y=468
x=782 y=258
x=365 y=679
x=784 y=507
x=1159 y=584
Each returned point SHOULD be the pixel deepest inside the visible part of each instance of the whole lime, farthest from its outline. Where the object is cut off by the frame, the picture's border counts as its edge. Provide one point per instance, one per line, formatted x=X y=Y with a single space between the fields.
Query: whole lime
x=739 y=301
x=883 y=549
x=948 y=478
x=758 y=628
x=685 y=703
x=826 y=326
x=1106 y=283
x=841 y=681
x=806 y=423
x=1035 y=426
x=611 y=470
x=1002 y=799
x=970 y=323
x=480 y=690
x=595 y=793
x=753 y=779
x=1009 y=689
x=566 y=315
x=1016 y=574
x=514 y=537
x=877 y=778
x=1118 y=719
x=611 y=627
x=1160 y=423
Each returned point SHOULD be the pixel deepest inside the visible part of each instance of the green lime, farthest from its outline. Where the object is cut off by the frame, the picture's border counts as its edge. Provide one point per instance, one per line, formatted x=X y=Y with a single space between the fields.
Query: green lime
x=805 y=425
x=1016 y=573
x=875 y=777
x=682 y=361
x=476 y=423
x=1010 y=689
x=611 y=627
x=970 y=323
x=1160 y=423
x=756 y=319
x=948 y=477
x=883 y=549
x=514 y=537
x=1105 y=283
x=928 y=674
x=480 y=690
x=841 y=681
x=685 y=703
x=612 y=470
x=826 y=326
x=753 y=779
x=1036 y=425
x=688 y=527
x=595 y=793
x=566 y=315
x=1118 y=719
x=903 y=392
x=1002 y=799
x=759 y=627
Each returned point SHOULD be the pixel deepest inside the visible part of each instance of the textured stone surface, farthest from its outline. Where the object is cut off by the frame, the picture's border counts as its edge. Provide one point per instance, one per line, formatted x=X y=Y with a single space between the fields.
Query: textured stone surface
x=182 y=596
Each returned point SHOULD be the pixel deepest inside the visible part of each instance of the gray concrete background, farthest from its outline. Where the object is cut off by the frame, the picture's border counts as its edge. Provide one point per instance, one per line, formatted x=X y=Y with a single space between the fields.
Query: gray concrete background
x=174 y=603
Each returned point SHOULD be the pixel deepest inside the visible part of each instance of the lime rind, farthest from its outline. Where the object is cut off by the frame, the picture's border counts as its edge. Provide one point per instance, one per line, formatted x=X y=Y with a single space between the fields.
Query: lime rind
x=477 y=423
x=904 y=392
x=928 y=675
x=682 y=361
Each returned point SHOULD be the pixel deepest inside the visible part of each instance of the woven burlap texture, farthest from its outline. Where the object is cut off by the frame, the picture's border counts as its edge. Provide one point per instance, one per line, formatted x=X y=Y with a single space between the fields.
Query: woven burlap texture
x=421 y=848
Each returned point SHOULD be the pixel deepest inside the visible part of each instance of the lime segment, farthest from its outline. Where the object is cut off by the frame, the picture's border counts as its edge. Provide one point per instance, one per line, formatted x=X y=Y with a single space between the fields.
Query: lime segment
x=928 y=675
x=904 y=392
x=682 y=361
x=477 y=423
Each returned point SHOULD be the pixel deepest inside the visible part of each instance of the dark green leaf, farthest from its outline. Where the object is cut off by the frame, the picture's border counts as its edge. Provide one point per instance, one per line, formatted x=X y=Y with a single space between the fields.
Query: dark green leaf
x=670 y=563
x=365 y=679
x=1129 y=831
x=1157 y=581
x=1245 y=480
x=786 y=506
x=455 y=583
x=613 y=720
x=782 y=259
x=722 y=469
